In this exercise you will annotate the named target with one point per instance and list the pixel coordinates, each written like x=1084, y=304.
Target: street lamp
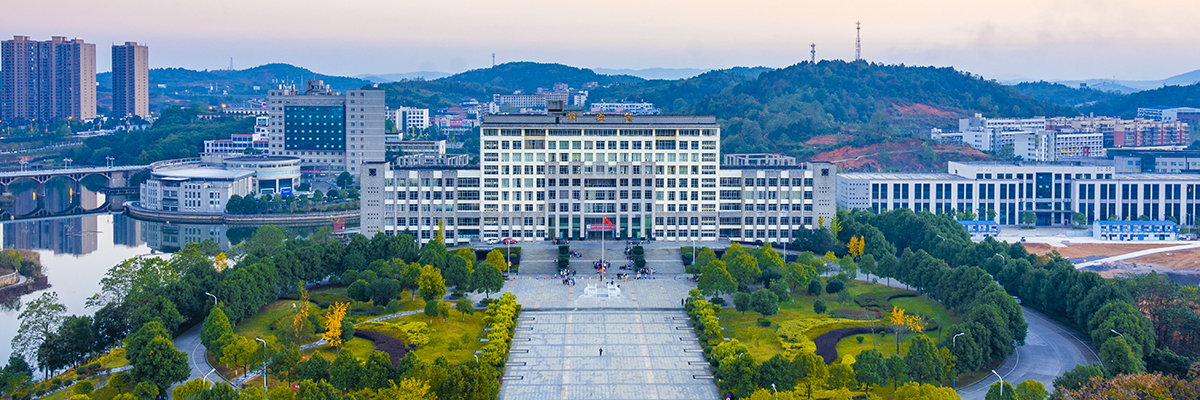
x=1001, y=383
x=1119, y=333
x=954, y=343
x=209, y=372
x=264, y=342
x=214, y=298
x=110, y=160
x=68, y=162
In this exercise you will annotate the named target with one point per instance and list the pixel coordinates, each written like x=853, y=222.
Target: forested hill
x=782, y=109
x=235, y=81
x=1126, y=106
x=529, y=76
x=1063, y=95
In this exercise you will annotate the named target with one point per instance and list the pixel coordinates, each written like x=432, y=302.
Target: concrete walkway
x=1136, y=254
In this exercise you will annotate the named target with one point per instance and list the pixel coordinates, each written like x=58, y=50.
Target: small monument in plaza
x=608, y=291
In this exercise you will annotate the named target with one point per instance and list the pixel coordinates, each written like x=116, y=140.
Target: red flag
x=607, y=222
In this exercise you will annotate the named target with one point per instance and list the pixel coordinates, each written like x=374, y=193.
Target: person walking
x=601, y=352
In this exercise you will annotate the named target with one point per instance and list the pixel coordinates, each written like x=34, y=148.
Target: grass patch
x=359, y=347
x=262, y=325
x=798, y=316
x=456, y=338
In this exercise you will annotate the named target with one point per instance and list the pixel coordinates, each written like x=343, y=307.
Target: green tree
x=814, y=287
x=1118, y=358
x=810, y=370
x=897, y=370
x=776, y=371
x=383, y=290
x=741, y=301
x=705, y=256
x=464, y=307
x=738, y=374
x=434, y=252
x=284, y=362
x=316, y=390
x=841, y=376
x=487, y=280
x=215, y=326
x=40, y=319
x=156, y=308
x=432, y=309
x=346, y=372
x=834, y=285
x=316, y=368
x=237, y=351
x=744, y=269
x=432, y=285
x=764, y=302
x=457, y=273
x=870, y=368
x=1077, y=377
x=137, y=341
x=358, y=291
x=819, y=306
x=1000, y=391
x=345, y=180
x=161, y=364
x=1030, y=390
x=1079, y=218
x=191, y=390
x=715, y=280
x=925, y=364
x=847, y=266
x=1028, y=218
x=145, y=391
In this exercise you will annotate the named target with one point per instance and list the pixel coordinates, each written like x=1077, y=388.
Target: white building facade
x=1051, y=192
x=562, y=175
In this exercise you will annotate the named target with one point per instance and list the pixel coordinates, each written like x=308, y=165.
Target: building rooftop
x=974, y=222
x=1100, y=222
x=610, y=121
x=261, y=158
x=1072, y=163
x=1157, y=177
x=204, y=173
x=901, y=175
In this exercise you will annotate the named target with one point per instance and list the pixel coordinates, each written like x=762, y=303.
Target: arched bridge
x=118, y=177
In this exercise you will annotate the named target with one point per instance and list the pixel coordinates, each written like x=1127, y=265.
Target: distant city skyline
x=1018, y=39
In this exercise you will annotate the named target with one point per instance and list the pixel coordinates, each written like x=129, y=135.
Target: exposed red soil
x=904, y=155
x=918, y=108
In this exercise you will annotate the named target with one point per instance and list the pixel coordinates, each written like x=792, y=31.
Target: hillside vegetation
x=1126, y=106
x=1063, y=95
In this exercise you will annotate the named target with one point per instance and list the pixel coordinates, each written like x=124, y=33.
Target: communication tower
x=857, y=41
x=813, y=52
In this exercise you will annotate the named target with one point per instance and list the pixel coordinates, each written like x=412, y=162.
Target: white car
x=492, y=241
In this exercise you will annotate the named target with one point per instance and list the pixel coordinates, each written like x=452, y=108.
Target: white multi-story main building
x=1003, y=191
x=561, y=175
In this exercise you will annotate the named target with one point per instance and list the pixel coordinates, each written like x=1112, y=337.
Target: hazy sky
x=1041, y=39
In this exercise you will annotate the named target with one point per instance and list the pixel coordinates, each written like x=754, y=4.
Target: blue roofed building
x=981, y=229
x=1135, y=230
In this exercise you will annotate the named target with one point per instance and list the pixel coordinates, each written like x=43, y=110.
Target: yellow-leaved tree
x=899, y=323
x=220, y=262
x=333, y=323
x=301, y=312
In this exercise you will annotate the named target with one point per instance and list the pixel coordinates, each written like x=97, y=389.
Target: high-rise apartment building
x=131, y=80
x=47, y=80
x=329, y=131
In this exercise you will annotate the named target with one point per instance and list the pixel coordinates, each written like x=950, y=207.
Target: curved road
x=1050, y=350
x=189, y=342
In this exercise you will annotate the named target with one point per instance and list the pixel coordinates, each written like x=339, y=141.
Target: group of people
x=567, y=276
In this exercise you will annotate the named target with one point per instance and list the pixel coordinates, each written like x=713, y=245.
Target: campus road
x=1136, y=254
x=1050, y=350
x=189, y=342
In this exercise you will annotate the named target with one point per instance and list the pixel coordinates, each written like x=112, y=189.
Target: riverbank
x=307, y=219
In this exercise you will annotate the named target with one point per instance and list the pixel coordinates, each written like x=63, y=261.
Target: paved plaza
x=647, y=355
x=650, y=350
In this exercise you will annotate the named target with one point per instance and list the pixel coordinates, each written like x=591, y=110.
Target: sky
x=1005, y=40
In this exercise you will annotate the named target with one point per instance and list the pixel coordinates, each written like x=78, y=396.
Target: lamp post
x=215, y=302
x=1001, y=383
x=954, y=344
x=264, y=342
x=1118, y=333
x=209, y=372
x=110, y=160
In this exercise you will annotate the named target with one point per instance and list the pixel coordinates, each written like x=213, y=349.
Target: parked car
x=508, y=241
x=492, y=241
x=560, y=241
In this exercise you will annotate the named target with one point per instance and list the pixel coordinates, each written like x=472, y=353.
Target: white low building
x=1135, y=231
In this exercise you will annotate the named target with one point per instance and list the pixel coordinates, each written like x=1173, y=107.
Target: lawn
x=798, y=314
x=456, y=338
x=261, y=325
x=359, y=347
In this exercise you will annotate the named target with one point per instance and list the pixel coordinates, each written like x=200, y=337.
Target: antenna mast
x=813, y=52
x=857, y=41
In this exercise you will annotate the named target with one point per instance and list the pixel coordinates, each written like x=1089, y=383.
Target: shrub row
x=501, y=317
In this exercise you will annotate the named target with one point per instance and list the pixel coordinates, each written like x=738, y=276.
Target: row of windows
x=765, y=182
x=599, y=132
x=600, y=145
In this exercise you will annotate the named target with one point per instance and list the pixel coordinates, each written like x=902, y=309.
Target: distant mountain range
x=235, y=82
x=654, y=73
x=385, y=78
x=1127, y=86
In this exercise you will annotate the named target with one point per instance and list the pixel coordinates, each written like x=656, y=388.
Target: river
x=76, y=252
